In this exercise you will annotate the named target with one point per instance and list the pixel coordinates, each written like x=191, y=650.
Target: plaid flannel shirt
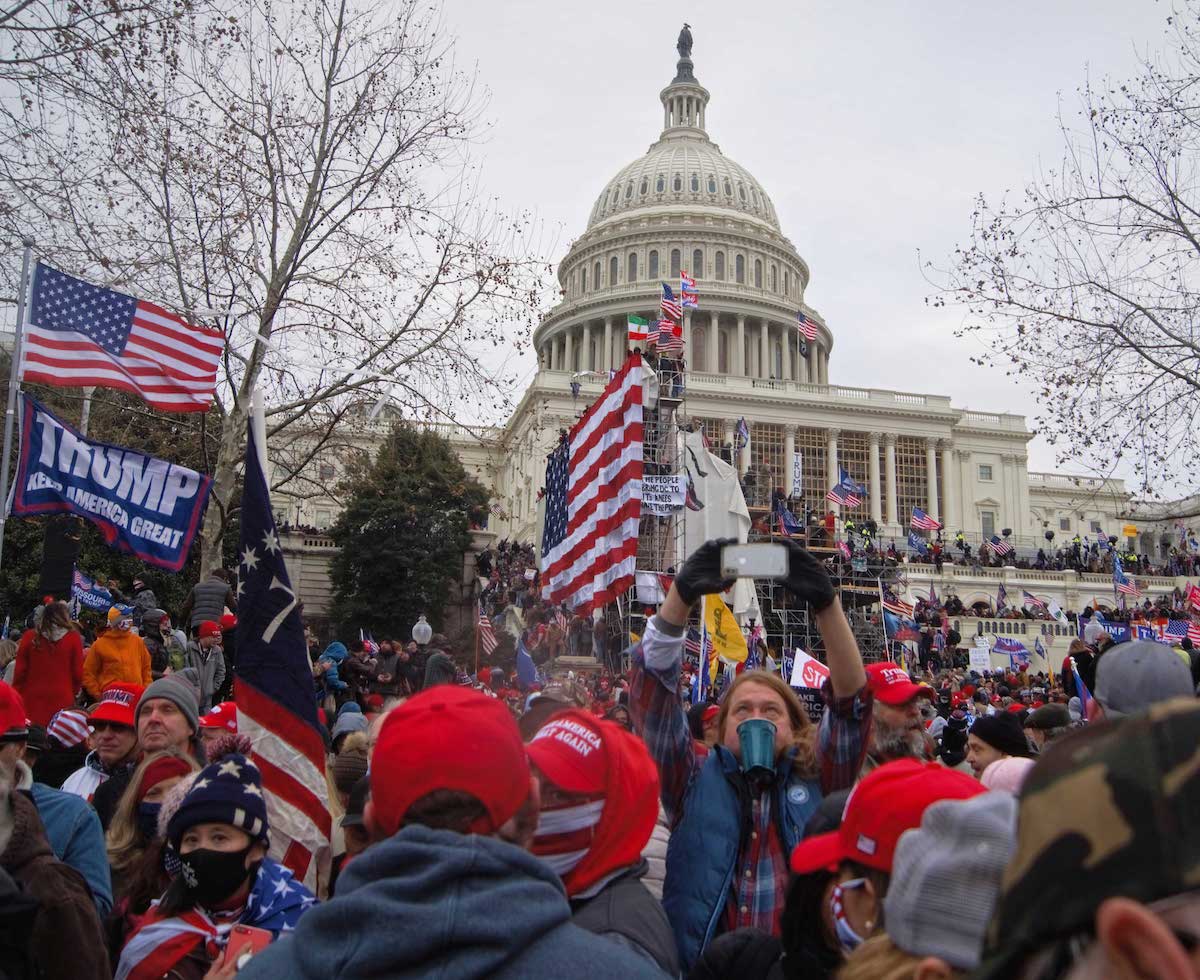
x=761, y=873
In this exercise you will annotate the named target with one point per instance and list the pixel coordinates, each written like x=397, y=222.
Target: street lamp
x=422, y=632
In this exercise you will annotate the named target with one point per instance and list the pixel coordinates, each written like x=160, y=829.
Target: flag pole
x=478, y=614
x=13, y=385
x=85, y=413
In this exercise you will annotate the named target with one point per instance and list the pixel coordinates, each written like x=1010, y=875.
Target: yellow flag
x=726, y=637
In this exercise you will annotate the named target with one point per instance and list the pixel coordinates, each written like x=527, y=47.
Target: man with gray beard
x=897, y=728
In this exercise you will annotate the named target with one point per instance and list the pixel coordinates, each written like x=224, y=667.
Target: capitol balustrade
x=1069, y=588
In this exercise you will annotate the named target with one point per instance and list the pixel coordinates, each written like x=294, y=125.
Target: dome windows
x=720, y=266
x=614, y=267
x=583, y=279
x=653, y=260
x=758, y=273
x=695, y=183
x=629, y=190
x=645, y=187
x=596, y=276
x=728, y=188
x=631, y=271
x=742, y=191
x=739, y=269
x=674, y=263
x=774, y=278
x=616, y=196
x=787, y=283
x=754, y=191
x=677, y=184
x=660, y=185
x=712, y=185
x=697, y=264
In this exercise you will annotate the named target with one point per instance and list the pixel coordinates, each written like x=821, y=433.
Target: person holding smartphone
x=227, y=894
x=738, y=809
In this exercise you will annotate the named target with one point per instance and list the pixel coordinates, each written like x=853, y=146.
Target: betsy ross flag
x=78, y=335
x=669, y=304
x=808, y=329
x=274, y=690
x=487, y=635
x=639, y=329
x=920, y=521
x=594, y=498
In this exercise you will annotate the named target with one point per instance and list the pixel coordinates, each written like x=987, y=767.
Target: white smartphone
x=754, y=561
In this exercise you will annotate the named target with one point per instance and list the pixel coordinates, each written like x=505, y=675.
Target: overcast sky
x=872, y=126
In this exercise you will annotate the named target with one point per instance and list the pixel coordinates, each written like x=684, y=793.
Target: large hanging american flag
x=487, y=635
x=808, y=329
x=274, y=691
x=594, y=498
x=78, y=335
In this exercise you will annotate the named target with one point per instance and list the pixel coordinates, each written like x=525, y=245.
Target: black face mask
x=212, y=876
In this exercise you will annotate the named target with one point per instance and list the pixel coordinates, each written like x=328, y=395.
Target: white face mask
x=56, y=633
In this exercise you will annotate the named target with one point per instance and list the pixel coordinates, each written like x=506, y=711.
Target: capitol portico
x=684, y=206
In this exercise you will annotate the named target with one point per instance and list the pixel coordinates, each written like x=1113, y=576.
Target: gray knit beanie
x=179, y=692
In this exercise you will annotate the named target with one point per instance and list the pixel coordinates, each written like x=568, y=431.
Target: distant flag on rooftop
x=808, y=329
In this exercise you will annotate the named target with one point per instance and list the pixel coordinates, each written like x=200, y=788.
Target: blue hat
x=349, y=708
x=228, y=791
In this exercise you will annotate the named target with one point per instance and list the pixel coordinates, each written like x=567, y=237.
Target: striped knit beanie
x=228, y=791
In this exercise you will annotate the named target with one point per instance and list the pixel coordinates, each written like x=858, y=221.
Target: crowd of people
x=942, y=823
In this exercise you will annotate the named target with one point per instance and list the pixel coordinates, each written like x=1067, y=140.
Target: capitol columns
x=931, y=476
x=712, y=349
x=832, y=470
x=823, y=360
x=785, y=341
x=789, y=454
x=873, y=479
x=741, y=368
x=687, y=339
x=585, y=356
x=568, y=350
x=606, y=362
x=764, y=349
x=889, y=451
x=953, y=520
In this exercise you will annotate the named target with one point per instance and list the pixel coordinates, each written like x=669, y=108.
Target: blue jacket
x=435, y=904
x=74, y=833
x=703, y=852
x=335, y=653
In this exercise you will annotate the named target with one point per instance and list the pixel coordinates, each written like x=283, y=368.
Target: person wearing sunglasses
x=112, y=738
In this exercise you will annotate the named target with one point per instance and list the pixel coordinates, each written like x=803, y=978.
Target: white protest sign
x=663, y=495
x=981, y=654
x=807, y=671
x=797, y=474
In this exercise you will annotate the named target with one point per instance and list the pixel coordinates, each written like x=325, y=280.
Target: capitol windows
x=742, y=191
x=629, y=190
x=774, y=278
x=645, y=187
x=596, y=276
x=583, y=279
x=613, y=270
x=677, y=183
x=697, y=264
x=695, y=184
x=631, y=274
x=721, y=266
x=712, y=185
x=758, y=273
x=985, y=472
x=739, y=269
x=1064, y=523
x=675, y=263
x=660, y=185
x=728, y=188
x=653, y=263
x=616, y=196
x=987, y=523
x=787, y=283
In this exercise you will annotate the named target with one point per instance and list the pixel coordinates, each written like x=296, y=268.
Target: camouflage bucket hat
x=1108, y=811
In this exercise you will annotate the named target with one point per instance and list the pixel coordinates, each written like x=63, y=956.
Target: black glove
x=806, y=578
x=701, y=573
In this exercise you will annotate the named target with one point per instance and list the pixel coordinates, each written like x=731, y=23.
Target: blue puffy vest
x=703, y=852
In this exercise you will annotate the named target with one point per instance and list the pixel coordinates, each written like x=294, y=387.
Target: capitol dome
x=686, y=208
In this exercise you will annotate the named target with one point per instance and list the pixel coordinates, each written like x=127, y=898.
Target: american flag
x=898, y=607
x=808, y=329
x=671, y=307
x=1193, y=632
x=1122, y=582
x=1177, y=629
x=742, y=434
x=920, y=521
x=999, y=547
x=1001, y=598
x=79, y=335
x=1031, y=600
x=594, y=498
x=844, y=495
x=1192, y=596
x=487, y=635
x=668, y=343
x=274, y=690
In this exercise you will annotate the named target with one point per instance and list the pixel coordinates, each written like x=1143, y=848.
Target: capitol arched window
x=645, y=187
x=739, y=268
x=631, y=273
x=583, y=279
x=660, y=185
x=728, y=188
x=720, y=266
x=695, y=184
x=758, y=273
x=677, y=183
x=742, y=191
x=774, y=278
x=613, y=268
x=653, y=260
x=675, y=263
x=616, y=196
x=629, y=190
x=712, y=185
x=787, y=283
x=755, y=193
x=596, y=276
x=697, y=264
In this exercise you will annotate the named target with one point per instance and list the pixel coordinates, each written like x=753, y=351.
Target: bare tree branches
x=297, y=174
